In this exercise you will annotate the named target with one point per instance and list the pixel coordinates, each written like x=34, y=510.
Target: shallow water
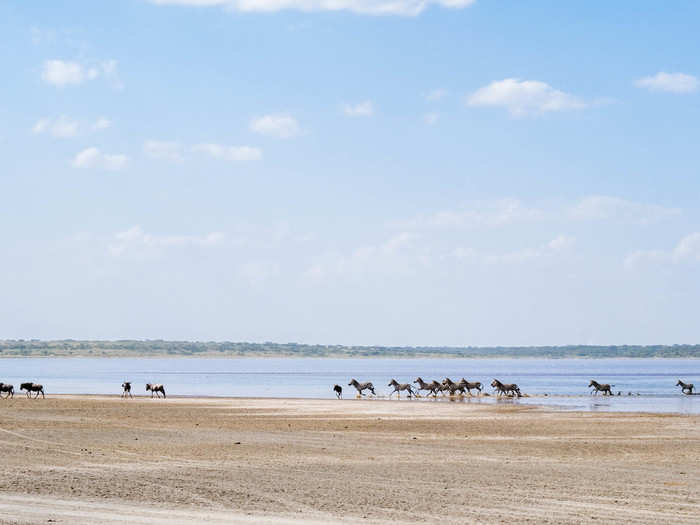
x=564, y=380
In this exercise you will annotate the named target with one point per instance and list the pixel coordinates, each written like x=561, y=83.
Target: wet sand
x=90, y=459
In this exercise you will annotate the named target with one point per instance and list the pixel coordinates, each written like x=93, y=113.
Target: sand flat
x=87, y=459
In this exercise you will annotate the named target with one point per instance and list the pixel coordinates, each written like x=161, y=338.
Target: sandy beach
x=88, y=459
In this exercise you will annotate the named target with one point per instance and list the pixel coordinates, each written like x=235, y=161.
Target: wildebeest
x=597, y=387
x=433, y=387
x=10, y=389
x=686, y=388
x=338, y=391
x=33, y=387
x=468, y=386
x=401, y=387
x=362, y=386
x=506, y=388
x=126, y=389
x=155, y=389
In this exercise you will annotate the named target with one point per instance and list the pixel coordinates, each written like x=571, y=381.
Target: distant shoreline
x=187, y=349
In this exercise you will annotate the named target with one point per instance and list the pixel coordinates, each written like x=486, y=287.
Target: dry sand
x=89, y=459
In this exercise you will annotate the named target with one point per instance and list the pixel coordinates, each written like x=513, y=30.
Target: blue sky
x=356, y=172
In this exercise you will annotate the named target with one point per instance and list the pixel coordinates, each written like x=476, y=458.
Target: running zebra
x=433, y=387
x=401, y=387
x=598, y=387
x=686, y=388
x=362, y=386
x=510, y=389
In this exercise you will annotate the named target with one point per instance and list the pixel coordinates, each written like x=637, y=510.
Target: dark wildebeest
x=468, y=386
x=155, y=389
x=33, y=387
x=7, y=388
x=401, y=387
x=362, y=386
x=338, y=391
x=597, y=387
x=686, y=388
x=510, y=389
x=433, y=387
x=126, y=389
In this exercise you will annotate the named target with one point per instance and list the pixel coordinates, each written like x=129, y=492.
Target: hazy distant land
x=158, y=348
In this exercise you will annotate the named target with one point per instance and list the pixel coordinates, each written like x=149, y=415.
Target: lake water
x=563, y=380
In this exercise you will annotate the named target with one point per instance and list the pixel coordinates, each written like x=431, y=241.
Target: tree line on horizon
x=162, y=348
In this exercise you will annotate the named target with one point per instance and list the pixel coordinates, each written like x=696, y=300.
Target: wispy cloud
x=435, y=95
x=366, y=7
x=282, y=126
x=679, y=83
x=229, y=153
x=605, y=207
x=431, y=118
x=137, y=239
x=63, y=73
x=93, y=158
x=686, y=250
x=524, y=97
x=64, y=127
x=361, y=109
x=163, y=150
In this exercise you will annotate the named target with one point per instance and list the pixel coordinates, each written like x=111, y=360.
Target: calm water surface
x=564, y=380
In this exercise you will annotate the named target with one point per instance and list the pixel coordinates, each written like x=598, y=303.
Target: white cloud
x=64, y=127
x=431, y=118
x=556, y=246
x=361, y=109
x=62, y=73
x=435, y=95
x=670, y=83
x=102, y=123
x=524, y=97
x=230, y=153
x=94, y=158
x=368, y=7
x=163, y=150
x=137, y=239
x=560, y=243
x=480, y=214
x=604, y=207
x=283, y=126
x=686, y=250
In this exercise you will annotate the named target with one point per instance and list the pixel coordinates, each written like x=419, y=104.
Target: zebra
x=338, y=391
x=155, y=389
x=453, y=387
x=398, y=388
x=362, y=386
x=597, y=387
x=33, y=387
x=504, y=388
x=126, y=387
x=686, y=388
x=433, y=387
x=468, y=386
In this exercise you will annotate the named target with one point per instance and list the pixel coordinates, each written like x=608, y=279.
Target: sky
x=370, y=172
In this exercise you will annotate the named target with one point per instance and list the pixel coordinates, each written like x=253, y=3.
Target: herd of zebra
x=445, y=387
x=462, y=387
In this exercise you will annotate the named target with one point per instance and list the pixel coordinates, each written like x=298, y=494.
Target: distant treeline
x=158, y=348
